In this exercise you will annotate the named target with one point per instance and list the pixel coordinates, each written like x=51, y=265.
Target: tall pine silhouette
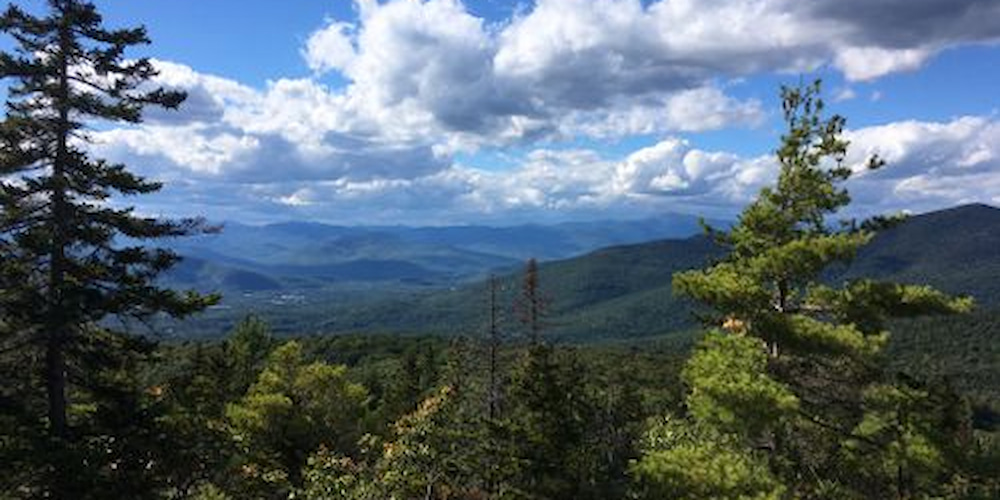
x=71, y=257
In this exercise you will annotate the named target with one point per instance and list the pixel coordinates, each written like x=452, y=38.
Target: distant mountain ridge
x=309, y=255
x=956, y=250
x=624, y=291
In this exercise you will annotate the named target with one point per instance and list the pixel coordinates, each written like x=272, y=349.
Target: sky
x=434, y=112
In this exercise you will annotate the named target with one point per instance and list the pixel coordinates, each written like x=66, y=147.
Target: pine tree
x=70, y=257
x=61, y=239
x=786, y=369
x=247, y=347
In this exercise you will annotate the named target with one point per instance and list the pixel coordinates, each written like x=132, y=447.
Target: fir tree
x=247, y=349
x=70, y=257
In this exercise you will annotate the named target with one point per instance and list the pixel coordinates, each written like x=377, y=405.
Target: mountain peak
x=972, y=213
x=971, y=207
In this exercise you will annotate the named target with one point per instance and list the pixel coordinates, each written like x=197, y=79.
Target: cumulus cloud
x=419, y=81
x=964, y=145
x=930, y=164
x=868, y=63
x=193, y=148
x=208, y=97
x=330, y=48
x=564, y=67
x=901, y=24
x=611, y=68
x=295, y=129
x=694, y=110
x=428, y=74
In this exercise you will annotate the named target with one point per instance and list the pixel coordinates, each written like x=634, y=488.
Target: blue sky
x=430, y=112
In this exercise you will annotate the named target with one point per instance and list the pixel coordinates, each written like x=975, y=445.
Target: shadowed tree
x=71, y=255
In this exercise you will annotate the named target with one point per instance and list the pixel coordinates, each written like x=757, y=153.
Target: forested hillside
x=955, y=250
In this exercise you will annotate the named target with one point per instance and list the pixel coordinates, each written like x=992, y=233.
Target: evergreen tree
x=64, y=247
x=434, y=452
x=195, y=392
x=787, y=369
x=247, y=349
x=70, y=258
x=686, y=461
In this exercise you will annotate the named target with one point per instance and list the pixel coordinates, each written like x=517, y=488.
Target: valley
x=613, y=293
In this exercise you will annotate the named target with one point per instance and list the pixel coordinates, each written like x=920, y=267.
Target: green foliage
x=869, y=304
x=549, y=413
x=962, y=349
x=796, y=371
x=208, y=491
x=329, y=476
x=292, y=410
x=914, y=252
x=787, y=400
x=686, y=461
x=895, y=441
x=247, y=348
x=433, y=453
x=731, y=390
x=69, y=259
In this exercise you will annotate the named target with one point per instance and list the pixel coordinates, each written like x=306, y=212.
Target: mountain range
x=617, y=292
x=299, y=256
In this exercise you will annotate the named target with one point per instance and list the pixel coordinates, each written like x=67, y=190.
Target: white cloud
x=330, y=48
x=568, y=67
x=869, y=63
x=677, y=173
x=694, y=110
x=844, y=94
x=427, y=79
x=192, y=148
x=958, y=146
x=611, y=68
x=295, y=129
x=209, y=97
x=930, y=165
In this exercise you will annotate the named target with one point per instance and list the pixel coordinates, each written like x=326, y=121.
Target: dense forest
x=793, y=382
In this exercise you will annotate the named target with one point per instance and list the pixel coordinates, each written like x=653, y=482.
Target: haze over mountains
x=304, y=255
x=392, y=278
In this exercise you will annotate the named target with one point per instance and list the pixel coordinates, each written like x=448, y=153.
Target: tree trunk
x=55, y=360
x=55, y=385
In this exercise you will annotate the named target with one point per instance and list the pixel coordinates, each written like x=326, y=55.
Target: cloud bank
x=400, y=92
